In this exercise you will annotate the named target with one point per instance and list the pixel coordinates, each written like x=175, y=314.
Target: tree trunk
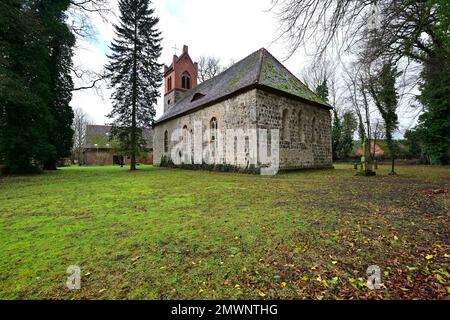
x=391, y=147
x=133, y=111
x=392, y=166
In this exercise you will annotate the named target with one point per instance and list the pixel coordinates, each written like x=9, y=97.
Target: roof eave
x=209, y=103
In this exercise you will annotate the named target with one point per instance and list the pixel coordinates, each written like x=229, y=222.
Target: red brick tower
x=179, y=77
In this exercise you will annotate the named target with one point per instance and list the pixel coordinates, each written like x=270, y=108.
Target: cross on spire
x=175, y=48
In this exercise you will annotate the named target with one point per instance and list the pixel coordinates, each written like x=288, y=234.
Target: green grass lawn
x=166, y=233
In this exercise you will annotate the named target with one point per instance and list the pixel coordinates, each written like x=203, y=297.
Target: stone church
x=257, y=92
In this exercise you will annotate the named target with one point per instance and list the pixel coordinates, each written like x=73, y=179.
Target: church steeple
x=179, y=77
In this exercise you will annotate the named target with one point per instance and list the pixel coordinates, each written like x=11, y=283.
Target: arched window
x=186, y=144
x=169, y=84
x=301, y=133
x=285, y=125
x=213, y=135
x=166, y=141
x=185, y=133
x=313, y=130
x=185, y=80
x=191, y=146
x=213, y=129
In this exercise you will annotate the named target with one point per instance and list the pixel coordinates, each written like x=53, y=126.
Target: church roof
x=258, y=70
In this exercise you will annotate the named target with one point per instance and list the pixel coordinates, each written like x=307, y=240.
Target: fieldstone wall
x=305, y=130
x=236, y=112
x=305, y=135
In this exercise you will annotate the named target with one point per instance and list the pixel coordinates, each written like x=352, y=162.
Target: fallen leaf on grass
x=440, y=278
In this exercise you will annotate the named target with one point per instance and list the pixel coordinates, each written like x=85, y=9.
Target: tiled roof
x=260, y=69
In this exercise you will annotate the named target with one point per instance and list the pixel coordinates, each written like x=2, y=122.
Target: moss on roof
x=275, y=75
x=259, y=68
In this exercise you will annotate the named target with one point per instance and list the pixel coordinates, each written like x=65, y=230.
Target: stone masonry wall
x=305, y=142
x=236, y=112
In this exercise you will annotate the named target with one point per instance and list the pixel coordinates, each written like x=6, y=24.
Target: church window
x=166, y=141
x=185, y=134
x=186, y=140
x=169, y=84
x=185, y=81
x=285, y=125
x=213, y=129
x=213, y=134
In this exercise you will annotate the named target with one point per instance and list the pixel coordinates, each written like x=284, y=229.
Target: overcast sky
x=230, y=30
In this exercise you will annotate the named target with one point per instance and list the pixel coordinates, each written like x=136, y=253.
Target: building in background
x=100, y=150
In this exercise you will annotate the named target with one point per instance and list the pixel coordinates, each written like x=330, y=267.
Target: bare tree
x=321, y=22
x=316, y=73
x=320, y=71
x=378, y=134
x=359, y=99
x=80, y=21
x=399, y=25
x=208, y=67
x=80, y=11
x=80, y=122
x=92, y=79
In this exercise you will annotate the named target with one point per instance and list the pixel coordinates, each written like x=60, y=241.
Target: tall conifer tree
x=134, y=73
x=24, y=87
x=60, y=49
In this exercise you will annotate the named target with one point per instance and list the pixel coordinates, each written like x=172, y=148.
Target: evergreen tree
x=434, y=123
x=322, y=90
x=414, y=143
x=24, y=87
x=336, y=132
x=134, y=74
x=60, y=47
x=349, y=125
x=383, y=91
